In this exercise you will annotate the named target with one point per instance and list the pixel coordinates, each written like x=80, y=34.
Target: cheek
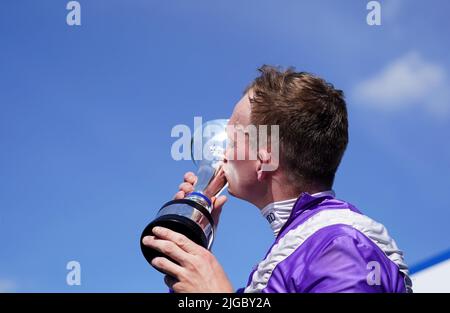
x=239, y=151
x=241, y=173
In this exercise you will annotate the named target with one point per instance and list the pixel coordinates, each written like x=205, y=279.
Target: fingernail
x=156, y=229
x=155, y=261
x=147, y=239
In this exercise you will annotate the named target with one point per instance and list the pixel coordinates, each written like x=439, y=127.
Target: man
x=322, y=244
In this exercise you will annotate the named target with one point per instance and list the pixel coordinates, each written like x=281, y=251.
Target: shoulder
x=331, y=251
x=329, y=248
x=337, y=252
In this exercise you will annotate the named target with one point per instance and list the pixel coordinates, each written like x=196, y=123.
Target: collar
x=279, y=212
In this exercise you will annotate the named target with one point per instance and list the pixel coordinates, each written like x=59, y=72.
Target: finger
x=179, y=195
x=219, y=202
x=166, y=247
x=190, y=177
x=167, y=266
x=181, y=241
x=186, y=187
x=217, y=208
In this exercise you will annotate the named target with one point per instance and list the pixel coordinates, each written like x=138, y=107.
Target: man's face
x=240, y=168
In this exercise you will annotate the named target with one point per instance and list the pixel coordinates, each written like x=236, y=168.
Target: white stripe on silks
x=373, y=230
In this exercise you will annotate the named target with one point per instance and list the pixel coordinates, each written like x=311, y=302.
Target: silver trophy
x=191, y=216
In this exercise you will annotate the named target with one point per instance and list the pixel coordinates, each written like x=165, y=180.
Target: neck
x=280, y=190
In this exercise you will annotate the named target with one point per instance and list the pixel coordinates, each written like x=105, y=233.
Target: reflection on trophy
x=191, y=216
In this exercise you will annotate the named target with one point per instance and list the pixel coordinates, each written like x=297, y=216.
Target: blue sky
x=86, y=114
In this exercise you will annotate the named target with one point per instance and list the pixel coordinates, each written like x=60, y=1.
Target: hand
x=197, y=269
x=188, y=186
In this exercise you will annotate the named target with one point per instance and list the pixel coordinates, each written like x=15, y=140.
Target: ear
x=264, y=159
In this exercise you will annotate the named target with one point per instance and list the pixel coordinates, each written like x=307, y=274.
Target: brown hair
x=312, y=119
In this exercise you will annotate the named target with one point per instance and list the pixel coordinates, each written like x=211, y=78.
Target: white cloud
x=408, y=81
x=7, y=286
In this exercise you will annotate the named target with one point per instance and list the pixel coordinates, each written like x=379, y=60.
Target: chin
x=231, y=191
x=234, y=193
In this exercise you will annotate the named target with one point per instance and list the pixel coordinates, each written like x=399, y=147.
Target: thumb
x=217, y=204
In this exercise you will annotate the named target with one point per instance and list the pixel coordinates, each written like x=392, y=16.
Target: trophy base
x=177, y=223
